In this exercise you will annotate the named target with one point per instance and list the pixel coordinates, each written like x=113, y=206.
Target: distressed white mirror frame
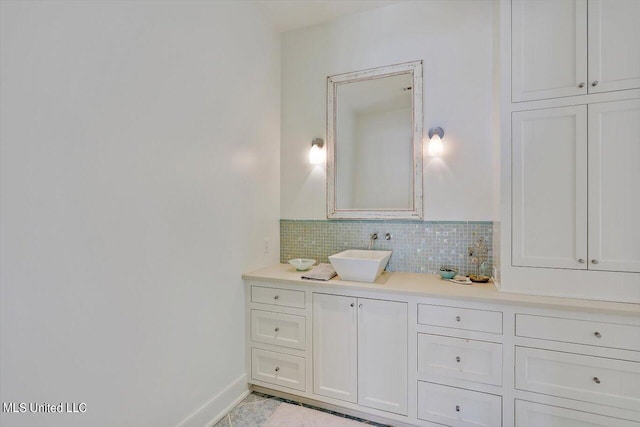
x=415, y=211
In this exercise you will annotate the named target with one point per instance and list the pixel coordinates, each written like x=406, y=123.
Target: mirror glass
x=374, y=134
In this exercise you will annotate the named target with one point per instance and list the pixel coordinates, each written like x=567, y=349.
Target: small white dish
x=461, y=280
x=302, y=264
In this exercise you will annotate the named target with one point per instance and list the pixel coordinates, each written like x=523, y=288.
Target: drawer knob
x=277, y=368
x=581, y=84
x=457, y=408
x=458, y=359
x=581, y=261
x=457, y=318
x=596, y=380
x=594, y=261
x=597, y=334
x=276, y=297
x=595, y=83
x=277, y=329
x=353, y=304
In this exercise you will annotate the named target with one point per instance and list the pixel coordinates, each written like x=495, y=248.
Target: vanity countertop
x=431, y=285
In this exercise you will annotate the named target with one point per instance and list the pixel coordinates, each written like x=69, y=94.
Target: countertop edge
x=487, y=293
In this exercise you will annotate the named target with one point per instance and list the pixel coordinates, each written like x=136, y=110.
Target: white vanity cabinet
x=360, y=351
x=576, y=369
x=595, y=47
x=277, y=332
x=415, y=350
x=460, y=364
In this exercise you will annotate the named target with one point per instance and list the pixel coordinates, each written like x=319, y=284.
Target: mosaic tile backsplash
x=418, y=246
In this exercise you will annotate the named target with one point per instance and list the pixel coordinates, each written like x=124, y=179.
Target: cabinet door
x=382, y=355
x=614, y=195
x=614, y=51
x=335, y=340
x=549, y=193
x=549, y=49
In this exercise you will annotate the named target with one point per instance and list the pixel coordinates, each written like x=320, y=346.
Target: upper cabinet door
x=614, y=196
x=549, y=49
x=614, y=45
x=549, y=192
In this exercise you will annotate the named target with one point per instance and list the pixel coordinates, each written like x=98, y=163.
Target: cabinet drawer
x=278, y=368
x=578, y=331
x=276, y=296
x=574, y=376
x=460, y=318
x=468, y=360
x=457, y=407
x=286, y=330
x=529, y=414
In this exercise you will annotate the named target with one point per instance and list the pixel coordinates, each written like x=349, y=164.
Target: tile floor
x=256, y=409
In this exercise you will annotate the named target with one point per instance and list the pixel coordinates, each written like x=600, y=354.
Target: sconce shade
x=317, y=154
x=435, y=142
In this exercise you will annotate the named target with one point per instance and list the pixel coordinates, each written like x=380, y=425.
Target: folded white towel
x=322, y=272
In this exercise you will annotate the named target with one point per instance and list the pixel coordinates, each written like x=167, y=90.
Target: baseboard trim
x=219, y=405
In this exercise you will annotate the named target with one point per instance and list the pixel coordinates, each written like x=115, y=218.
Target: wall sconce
x=316, y=154
x=435, y=141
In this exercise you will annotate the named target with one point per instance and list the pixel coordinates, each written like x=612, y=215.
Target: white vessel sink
x=360, y=265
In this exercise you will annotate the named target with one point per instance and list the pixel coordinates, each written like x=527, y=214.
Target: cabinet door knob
x=276, y=297
x=458, y=359
x=581, y=84
x=277, y=368
x=594, y=261
x=360, y=306
x=596, y=380
x=595, y=83
x=597, y=334
x=458, y=318
x=581, y=261
x=457, y=408
x=277, y=329
x=353, y=304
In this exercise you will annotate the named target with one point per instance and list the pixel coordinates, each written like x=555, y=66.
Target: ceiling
x=288, y=15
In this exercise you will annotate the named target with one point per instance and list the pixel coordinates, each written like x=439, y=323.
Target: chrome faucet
x=372, y=238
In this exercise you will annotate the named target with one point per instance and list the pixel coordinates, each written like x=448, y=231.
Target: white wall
x=140, y=175
x=454, y=39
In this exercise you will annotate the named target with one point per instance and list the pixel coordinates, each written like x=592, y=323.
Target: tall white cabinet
x=570, y=130
x=360, y=351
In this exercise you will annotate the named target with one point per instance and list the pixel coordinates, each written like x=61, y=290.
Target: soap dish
x=461, y=280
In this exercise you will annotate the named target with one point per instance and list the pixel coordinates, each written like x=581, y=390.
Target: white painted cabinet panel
x=281, y=329
x=279, y=297
x=574, y=376
x=614, y=45
x=614, y=185
x=599, y=334
x=549, y=193
x=360, y=351
x=549, y=49
x=460, y=318
x=382, y=355
x=335, y=347
x=529, y=414
x=457, y=407
x=278, y=368
x=469, y=360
